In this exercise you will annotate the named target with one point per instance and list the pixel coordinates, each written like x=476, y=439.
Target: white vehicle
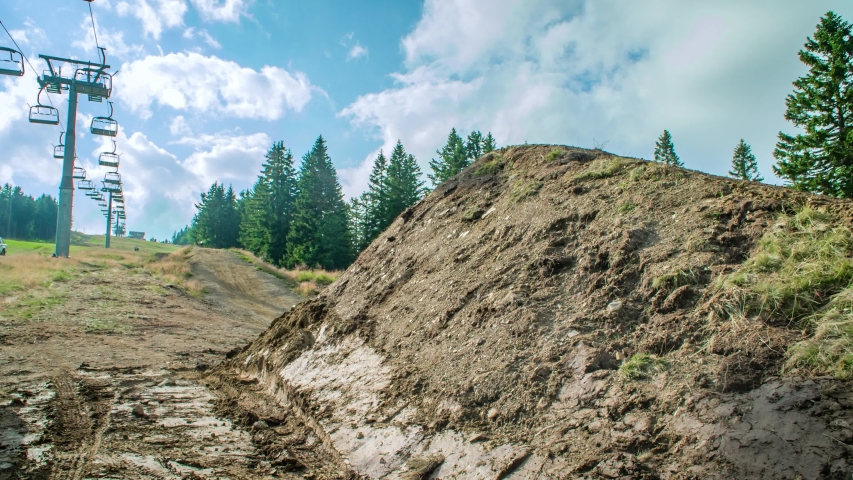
x=2, y=247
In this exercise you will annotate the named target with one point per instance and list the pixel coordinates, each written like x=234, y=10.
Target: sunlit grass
x=303, y=282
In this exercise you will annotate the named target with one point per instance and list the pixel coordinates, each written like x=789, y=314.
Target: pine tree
x=474, y=146
x=452, y=159
x=375, y=200
x=319, y=233
x=355, y=217
x=489, y=144
x=820, y=159
x=403, y=184
x=665, y=151
x=744, y=165
x=217, y=223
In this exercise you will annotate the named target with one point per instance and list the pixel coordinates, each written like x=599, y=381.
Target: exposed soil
x=104, y=380
x=482, y=335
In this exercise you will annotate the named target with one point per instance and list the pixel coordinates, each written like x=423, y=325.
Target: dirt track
x=102, y=381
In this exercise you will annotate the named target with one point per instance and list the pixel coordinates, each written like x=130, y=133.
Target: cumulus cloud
x=180, y=127
x=113, y=40
x=226, y=157
x=222, y=10
x=186, y=81
x=552, y=71
x=193, y=32
x=155, y=15
x=356, y=51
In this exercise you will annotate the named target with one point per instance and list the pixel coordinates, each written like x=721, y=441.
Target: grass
x=105, y=327
x=493, y=165
x=626, y=207
x=175, y=269
x=675, y=279
x=521, y=189
x=554, y=154
x=801, y=274
x=604, y=169
x=303, y=281
x=642, y=365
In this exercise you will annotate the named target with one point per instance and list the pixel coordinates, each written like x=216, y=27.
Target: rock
x=477, y=437
x=614, y=306
x=260, y=425
x=359, y=435
x=594, y=426
x=138, y=412
x=542, y=404
x=587, y=360
x=493, y=413
x=540, y=373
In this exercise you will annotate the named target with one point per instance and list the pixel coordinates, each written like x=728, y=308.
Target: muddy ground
x=104, y=380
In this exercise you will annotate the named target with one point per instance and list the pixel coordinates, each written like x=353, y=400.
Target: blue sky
x=205, y=86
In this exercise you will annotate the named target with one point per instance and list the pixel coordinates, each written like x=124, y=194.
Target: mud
x=482, y=334
x=131, y=402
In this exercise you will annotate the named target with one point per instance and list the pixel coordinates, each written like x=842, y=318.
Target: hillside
x=553, y=312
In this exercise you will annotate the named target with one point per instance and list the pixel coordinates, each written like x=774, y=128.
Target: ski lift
x=105, y=126
x=86, y=185
x=11, y=62
x=109, y=159
x=112, y=178
x=79, y=173
x=44, y=114
x=94, y=194
x=59, y=150
x=94, y=82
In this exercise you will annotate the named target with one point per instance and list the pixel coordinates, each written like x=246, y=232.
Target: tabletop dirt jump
x=550, y=312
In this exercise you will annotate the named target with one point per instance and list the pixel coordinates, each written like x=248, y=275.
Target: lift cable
x=92, y=16
x=61, y=126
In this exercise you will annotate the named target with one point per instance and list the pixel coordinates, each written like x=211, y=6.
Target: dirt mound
x=554, y=312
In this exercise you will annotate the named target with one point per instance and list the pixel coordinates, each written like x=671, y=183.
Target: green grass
x=673, y=280
x=626, y=207
x=801, y=274
x=29, y=307
x=642, y=365
x=105, y=326
x=318, y=277
x=521, y=189
x=493, y=165
x=604, y=169
x=554, y=154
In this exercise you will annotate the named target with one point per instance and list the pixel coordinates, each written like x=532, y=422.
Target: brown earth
x=482, y=334
x=103, y=379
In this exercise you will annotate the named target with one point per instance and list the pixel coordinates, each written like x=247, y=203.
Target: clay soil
x=490, y=332
x=101, y=378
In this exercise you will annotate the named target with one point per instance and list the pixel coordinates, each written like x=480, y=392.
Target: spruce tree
x=489, y=145
x=355, y=217
x=452, y=159
x=319, y=235
x=375, y=199
x=403, y=184
x=744, y=165
x=474, y=145
x=665, y=151
x=820, y=159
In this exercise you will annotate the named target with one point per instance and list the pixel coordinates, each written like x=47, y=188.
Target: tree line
x=296, y=218
x=24, y=217
x=818, y=159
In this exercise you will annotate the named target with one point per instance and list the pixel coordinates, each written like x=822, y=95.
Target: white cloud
x=552, y=71
x=210, y=84
x=226, y=158
x=192, y=32
x=156, y=17
x=31, y=36
x=113, y=40
x=179, y=126
x=356, y=51
x=222, y=10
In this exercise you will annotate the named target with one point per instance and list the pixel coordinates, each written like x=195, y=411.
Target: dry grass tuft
x=305, y=282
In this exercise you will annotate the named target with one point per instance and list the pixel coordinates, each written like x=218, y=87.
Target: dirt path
x=100, y=375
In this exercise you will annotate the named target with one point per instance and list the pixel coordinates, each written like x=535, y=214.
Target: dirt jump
x=550, y=312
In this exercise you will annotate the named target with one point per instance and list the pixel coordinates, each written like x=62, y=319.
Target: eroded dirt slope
x=100, y=377
x=486, y=334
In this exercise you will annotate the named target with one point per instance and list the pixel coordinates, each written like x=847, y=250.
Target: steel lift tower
x=93, y=80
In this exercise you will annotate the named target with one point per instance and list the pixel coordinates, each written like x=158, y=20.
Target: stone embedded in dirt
x=493, y=413
x=614, y=306
x=477, y=437
x=260, y=425
x=587, y=360
x=139, y=412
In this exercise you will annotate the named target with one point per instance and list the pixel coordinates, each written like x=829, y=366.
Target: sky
x=204, y=87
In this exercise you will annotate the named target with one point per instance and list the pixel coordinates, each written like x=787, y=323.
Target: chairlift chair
x=44, y=114
x=113, y=178
x=109, y=159
x=94, y=194
x=59, y=150
x=79, y=173
x=105, y=126
x=11, y=62
x=86, y=185
x=94, y=82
